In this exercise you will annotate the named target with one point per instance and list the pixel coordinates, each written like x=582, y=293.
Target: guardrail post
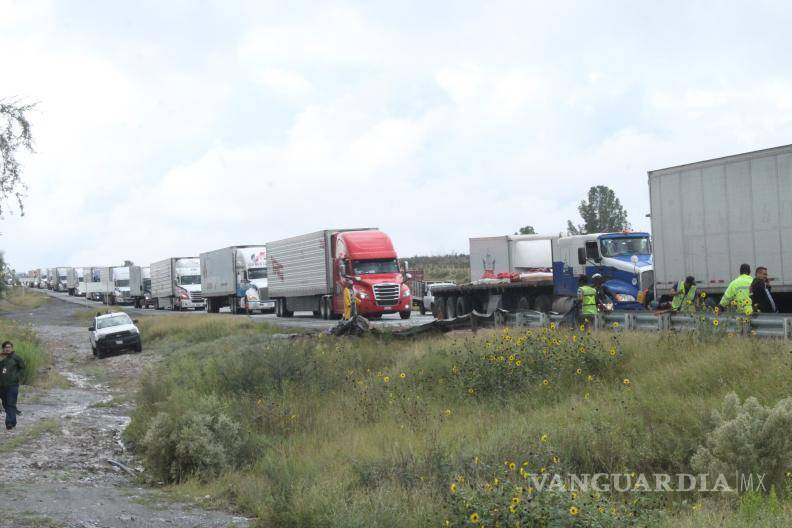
x=787, y=327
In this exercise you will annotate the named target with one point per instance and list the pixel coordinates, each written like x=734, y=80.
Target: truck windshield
x=370, y=267
x=147, y=284
x=257, y=273
x=190, y=279
x=116, y=320
x=616, y=247
x=122, y=283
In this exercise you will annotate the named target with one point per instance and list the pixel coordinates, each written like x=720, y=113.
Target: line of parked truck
x=707, y=219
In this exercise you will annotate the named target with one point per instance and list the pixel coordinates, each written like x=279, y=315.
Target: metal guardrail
x=768, y=326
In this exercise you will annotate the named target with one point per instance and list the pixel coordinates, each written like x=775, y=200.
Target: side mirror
x=408, y=276
x=342, y=268
x=91, y=328
x=582, y=256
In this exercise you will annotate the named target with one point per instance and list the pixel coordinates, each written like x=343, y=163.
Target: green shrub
x=748, y=438
x=191, y=443
x=27, y=346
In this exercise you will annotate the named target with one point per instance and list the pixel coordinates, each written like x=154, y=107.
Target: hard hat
x=596, y=276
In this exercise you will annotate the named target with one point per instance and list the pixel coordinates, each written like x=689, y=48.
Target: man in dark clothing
x=761, y=294
x=11, y=369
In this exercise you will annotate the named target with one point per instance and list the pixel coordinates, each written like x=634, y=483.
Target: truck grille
x=647, y=279
x=386, y=294
x=118, y=335
x=196, y=297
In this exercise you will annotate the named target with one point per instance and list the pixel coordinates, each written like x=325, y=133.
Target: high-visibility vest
x=588, y=305
x=682, y=298
x=739, y=293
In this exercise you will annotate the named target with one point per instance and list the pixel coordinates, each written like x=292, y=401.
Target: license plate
x=119, y=341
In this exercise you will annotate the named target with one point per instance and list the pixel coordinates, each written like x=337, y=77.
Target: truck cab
x=252, y=290
x=623, y=259
x=121, y=293
x=188, y=284
x=371, y=265
x=79, y=289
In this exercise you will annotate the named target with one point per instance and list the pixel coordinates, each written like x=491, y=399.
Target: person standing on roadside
x=738, y=294
x=11, y=369
x=761, y=293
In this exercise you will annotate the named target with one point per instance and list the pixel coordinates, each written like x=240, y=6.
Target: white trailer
x=140, y=285
x=236, y=277
x=71, y=280
x=121, y=293
x=176, y=284
x=79, y=287
x=98, y=282
x=710, y=217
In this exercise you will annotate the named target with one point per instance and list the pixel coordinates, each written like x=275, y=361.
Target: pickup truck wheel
x=450, y=308
x=139, y=348
x=100, y=354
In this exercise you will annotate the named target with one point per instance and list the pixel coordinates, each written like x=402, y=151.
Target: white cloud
x=284, y=82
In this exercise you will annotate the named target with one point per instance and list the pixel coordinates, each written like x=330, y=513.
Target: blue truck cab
x=623, y=259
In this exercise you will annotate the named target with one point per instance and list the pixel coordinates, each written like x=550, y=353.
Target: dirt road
x=54, y=469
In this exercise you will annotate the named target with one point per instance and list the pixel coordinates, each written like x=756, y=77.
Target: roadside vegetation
x=448, y=268
x=19, y=298
x=319, y=431
x=28, y=346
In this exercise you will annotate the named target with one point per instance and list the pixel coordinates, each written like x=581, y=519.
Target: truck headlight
x=362, y=294
x=406, y=292
x=623, y=297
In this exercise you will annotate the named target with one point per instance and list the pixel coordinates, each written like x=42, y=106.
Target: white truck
x=61, y=279
x=52, y=278
x=710, y=217
x=79, y=288
x=99, y=282
x=140, y=286
x=236, y=277
x=121, y=293
x=176, y=284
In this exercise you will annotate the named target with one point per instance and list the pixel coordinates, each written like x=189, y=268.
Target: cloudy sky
x=169, y=128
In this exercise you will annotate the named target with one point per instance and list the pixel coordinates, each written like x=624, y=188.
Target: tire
x=422, y=309
x=138, y=348
x=450, y=308
x=405, y=314
x=93, y=350
x=157, y=305
x=233, y=304
x=461, y=307
x=100, y=354
x=523, y=304
x=325, y=313
x=278, y=309
x=544, y=303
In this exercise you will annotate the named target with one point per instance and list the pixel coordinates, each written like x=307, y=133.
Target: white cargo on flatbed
x=510, y=254
x=709, y=217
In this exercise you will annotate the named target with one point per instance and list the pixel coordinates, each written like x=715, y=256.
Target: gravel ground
x=54, y=467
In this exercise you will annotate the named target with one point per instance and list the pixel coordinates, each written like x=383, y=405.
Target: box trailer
x=236, y=277
x=176, y=284
x=98, y=282
x=710, y=217
x=140, y=286
x=310, y=273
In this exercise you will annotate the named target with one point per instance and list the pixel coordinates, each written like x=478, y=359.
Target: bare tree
x=14, y=134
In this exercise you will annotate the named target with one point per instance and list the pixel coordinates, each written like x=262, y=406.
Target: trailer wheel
x=450, y=307
x=405, y=314
x=544, y=303
x=422, y=308
x=523, y=304
x=461, y=306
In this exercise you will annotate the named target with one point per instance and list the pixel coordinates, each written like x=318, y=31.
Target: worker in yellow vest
x=738, y=294
x=587, y=298
x=684, y=295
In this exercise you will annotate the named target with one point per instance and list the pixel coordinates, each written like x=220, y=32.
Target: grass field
x=451, y=431
x=18, y=298
x=452, y=268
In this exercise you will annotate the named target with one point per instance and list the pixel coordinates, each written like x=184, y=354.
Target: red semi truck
x=309, y=273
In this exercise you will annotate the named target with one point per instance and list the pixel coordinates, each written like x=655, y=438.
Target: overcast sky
x=168, y=128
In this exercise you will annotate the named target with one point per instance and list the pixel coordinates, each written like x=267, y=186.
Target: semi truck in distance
x=236, y=277
x=52, y=278
x=140, y=286
x=61, y=279
x=542, y=273
x=710, y=217
x=121, y=294
x=310, y=273
x=98, y=282
x=176, y=284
